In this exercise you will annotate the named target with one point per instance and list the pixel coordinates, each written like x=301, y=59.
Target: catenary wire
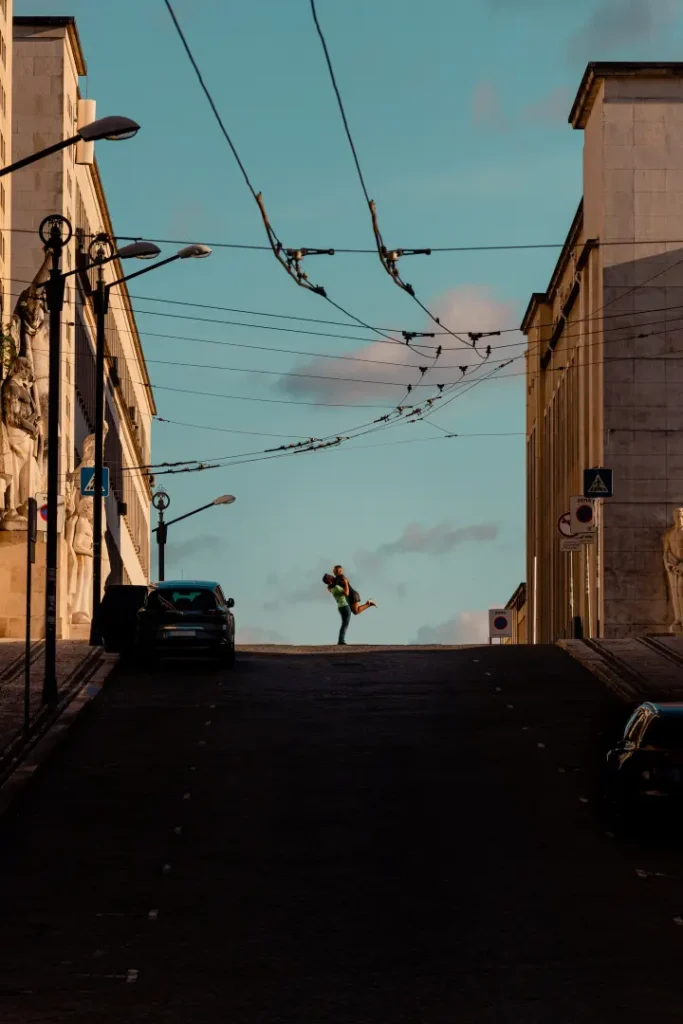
x=389, y=260
x=501, y=331
x=290, y=264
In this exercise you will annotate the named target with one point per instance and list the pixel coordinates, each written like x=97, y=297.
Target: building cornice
x=538, y=298
x=69, y=23
x=596, y=72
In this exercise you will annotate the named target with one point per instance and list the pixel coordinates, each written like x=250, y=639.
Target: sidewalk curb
x=38, y=751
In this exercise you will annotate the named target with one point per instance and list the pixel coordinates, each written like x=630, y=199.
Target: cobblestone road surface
x=337, y=837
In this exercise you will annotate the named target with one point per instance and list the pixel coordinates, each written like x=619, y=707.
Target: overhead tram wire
x=333, y=441
x=389, y=258
x=290, y=259
x=222, y=430
x=159, y=469
x=446, y=387
x=246, y=246
x=266, y=327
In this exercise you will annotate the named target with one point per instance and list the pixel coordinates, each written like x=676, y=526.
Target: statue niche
x=19, y=445
x=24, y=384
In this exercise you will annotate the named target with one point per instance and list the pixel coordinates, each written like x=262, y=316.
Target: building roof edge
x=596, y=71
x=69, y=23
x=546, y=296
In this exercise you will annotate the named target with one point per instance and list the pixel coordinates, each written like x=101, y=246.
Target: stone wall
x=635, y=167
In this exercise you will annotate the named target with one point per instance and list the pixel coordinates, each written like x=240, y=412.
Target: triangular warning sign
x=598, y=486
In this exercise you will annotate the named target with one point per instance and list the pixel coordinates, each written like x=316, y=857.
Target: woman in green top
x=342, y=604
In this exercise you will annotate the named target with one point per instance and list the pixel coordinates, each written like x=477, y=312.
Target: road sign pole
x=31, y=537
x=598, y=518
x=589, y=615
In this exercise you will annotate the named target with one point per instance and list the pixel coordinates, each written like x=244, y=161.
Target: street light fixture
x=56, y=232
x=114, y=129
x=139, y=250
x=161, y=501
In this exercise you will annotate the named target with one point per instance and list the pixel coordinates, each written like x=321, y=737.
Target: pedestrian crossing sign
x=88, y=482
x=597, y=483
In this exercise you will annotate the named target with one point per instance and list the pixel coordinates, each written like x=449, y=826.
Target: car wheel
x=226, y=656
x=147, y=662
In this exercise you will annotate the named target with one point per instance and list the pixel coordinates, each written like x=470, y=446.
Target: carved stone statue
x=78, y=533
x=29, y=330
x=20, y=432
x=673, y=563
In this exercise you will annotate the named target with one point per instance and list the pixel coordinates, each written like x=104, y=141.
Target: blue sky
x=459, y=112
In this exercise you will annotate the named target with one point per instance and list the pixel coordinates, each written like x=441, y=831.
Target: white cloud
x=464, y=628
x=613, y=24
x=551, y=109
x=434, y=540
x=253, y=635
x=462, y=309
x=487, y=108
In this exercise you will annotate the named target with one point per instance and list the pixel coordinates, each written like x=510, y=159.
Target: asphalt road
x=337, y=837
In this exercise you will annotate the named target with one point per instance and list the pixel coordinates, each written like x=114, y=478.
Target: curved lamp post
x=55, y=233
x=112, y=128
x=140, y=250
x=161, y=501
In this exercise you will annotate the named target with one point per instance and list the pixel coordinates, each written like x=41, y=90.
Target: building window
x=3, y=151
x=2, y=246
x=3, y=8
x=3, y=50
x=3, y=98
x=2, y=196
x=69, y=184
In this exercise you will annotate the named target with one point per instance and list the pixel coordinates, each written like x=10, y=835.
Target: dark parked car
x=645, y=769
x=182, y=617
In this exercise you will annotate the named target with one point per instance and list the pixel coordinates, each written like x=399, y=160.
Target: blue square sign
x=88, y=482
x=597, y=483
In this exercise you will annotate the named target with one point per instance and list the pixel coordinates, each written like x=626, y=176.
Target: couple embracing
x=348, y=599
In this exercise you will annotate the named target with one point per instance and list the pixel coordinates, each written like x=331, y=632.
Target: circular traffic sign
x=42, y=512
x=500, y=622
x=584, y=513
x=564, y=525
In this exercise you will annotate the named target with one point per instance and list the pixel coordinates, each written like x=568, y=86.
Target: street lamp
x=56, y=232
x=112, y=128
x=97, y=251
x=161, y=501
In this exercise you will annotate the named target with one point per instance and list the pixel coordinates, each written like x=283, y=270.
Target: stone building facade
x=605, y=367
x=47, y=107
x=6, y=50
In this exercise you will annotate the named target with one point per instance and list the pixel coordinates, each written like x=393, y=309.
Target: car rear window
x=181, y=600
x=665, y=733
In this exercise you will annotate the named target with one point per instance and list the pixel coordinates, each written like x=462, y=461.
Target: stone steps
x=634, y=668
